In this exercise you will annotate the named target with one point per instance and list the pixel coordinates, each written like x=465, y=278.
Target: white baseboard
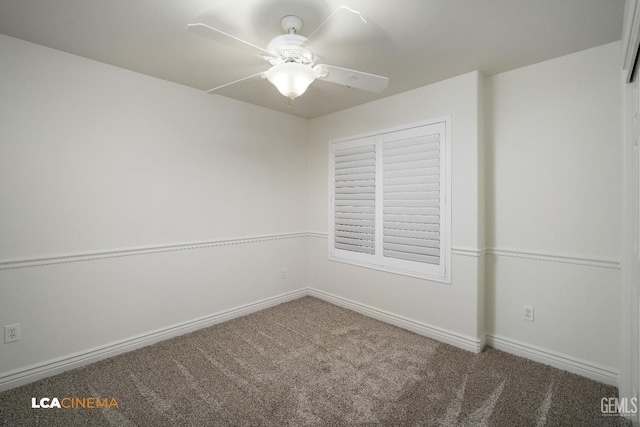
x=572, y=364
x=458, y=340
x=49, y=368
x=52, y=367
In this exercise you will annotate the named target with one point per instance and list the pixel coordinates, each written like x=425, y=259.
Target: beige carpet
x=308, y=362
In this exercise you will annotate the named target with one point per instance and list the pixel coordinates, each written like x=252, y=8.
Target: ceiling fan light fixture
x=291, y=79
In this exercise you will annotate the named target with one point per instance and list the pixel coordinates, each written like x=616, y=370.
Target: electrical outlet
x=527, y=313
x=283, y=273
x=12, y=333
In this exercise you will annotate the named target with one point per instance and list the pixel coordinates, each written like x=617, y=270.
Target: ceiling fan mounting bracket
x=291, y=24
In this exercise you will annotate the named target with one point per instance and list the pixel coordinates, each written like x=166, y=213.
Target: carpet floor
x=308, y=362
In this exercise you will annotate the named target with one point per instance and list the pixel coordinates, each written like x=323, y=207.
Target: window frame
x=431, y=272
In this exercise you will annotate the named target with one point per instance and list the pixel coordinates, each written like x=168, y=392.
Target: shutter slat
x=355, y=157
x=355, y=209
x=355, y=196
x=355, y=150
x=413, y=203
x=353, y=248
x=357, y=216
x=362, y=183
x=352, y=202
x=354, y=190
x=410, y=149
x=413, y=257
x=430, y=170
x=355, y=164
x=413, y=241
x=408, y=158
x=353, y=235
x=353, y=171
x=412, y=249
x=355, y=222
x=411, y=188
x=354, y=229
x=430, y=235
x=355, y=242
x=434, y=170
x=391, y=143
x=411, y=219
x=390, y=225
x=356, y=177
x=412, y=211
x=405, y=180
x=412, y=196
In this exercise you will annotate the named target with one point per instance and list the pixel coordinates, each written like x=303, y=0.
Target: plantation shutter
x=354, y=199
x=411, y=179
x=389, y=200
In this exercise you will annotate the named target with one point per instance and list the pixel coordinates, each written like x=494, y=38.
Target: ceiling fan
x=292, y=60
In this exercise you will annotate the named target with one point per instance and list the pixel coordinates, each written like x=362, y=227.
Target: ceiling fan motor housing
x=288, y=48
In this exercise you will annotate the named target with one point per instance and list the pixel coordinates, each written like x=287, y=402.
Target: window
x=390, y=200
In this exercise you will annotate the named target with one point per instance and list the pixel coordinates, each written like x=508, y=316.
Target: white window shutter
x=354, y=192
x=390, y=203
x=411, y=217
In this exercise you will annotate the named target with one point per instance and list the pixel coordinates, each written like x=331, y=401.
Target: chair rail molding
x=8, y=264
x=559, y=258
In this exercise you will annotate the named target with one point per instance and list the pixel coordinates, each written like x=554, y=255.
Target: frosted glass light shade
x=291, y=79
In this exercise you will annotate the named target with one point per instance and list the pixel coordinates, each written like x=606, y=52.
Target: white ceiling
x=413, y=42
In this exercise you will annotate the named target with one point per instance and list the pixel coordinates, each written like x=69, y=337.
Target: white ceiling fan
x=292, y=60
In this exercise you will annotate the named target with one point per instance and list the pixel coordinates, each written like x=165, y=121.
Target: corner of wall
x=481, y=208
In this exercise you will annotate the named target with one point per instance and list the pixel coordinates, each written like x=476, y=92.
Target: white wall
x=554, y=204
x=450, y=307
x=105, y=165
x=541, y=145
x=94, y=159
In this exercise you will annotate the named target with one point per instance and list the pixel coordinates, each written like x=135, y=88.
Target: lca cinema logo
x=615, y=406
x=74, y=402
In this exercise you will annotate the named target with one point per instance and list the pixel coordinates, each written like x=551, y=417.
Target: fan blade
x=237, y=81
x=208, y=31
x=316, y=32
x=352, y=78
